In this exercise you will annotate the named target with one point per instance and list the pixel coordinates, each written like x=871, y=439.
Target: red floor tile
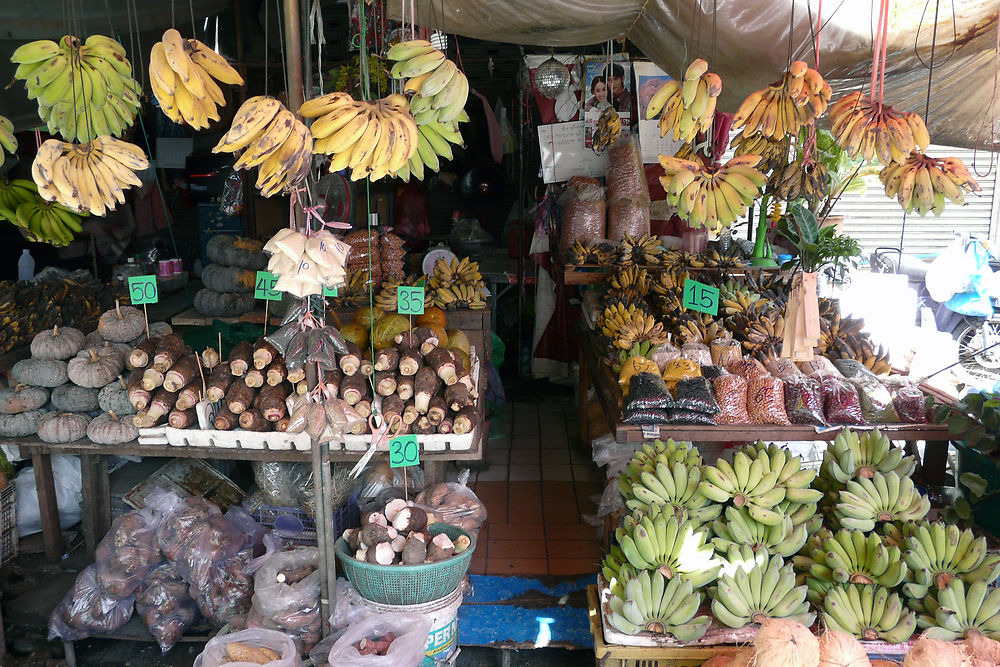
x=562, y=511
x=477, y=565
x=557, y=490
x=519, y=567
x=570, y=532
x=519, y=490
x=496, y=511
x=525, y=511
x=517, y=549
x=575, y=549
x=517, y=531
x=488, y=491
x=572, y=566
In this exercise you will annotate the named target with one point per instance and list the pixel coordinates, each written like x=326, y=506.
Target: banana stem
x=761, y=248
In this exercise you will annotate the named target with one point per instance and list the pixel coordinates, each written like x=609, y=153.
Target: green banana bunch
x=39, y=221
x=616, y=570
x=650, y=603
x=649, y=454
x=753, y=586
x=937, y=553
x=674, y=488
x=868, y=612
x=739, y=528
x=964, y=610
x=884, y=497
x=851, y=456
x=84, y=89
x=801, y=514
x=895, y=534
x=671, y=546
x=850, y=556
x=7, y=139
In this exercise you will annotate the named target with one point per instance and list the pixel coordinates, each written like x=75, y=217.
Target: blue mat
x=494, y=615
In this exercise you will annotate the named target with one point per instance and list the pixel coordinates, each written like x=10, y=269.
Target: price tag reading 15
x=410, y=300
x=142, y=289
x=404, y=451
x=701, y=297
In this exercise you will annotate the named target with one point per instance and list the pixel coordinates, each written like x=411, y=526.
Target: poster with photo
x=648, y=79
x=606, y=85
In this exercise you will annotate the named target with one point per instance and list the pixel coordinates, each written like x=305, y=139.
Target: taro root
x=425, y=385
x=264, y=353
x=252, y=420
x=276, y=372
x=441, y=548
x=443, y=364
x=143, y=353
x=409, y=519
x=462, y=542
x=446, y=425
x=404, y=387
x=423, y=426
x=427, y=339
x=271, y=402
x=409, y=361
x=410, y=413
x=210, y=358
x=239, y=398
x=332, y=379
x=138, y=395
x=387, y=359
x=385, y=383
x=350, y=361
x=296, y=375
x=241, y=358
x=464, y=421
x=393, y=507
x=225, y=420
x=181, y=373
x=436, y=411
x=168, y=352
x=162, y=403
x=182, y=418
x=374, y=533
x=254, y=378
x=188, y=397
x=218, y=382
x=151, y=379
x=392, y=405
x=415, y=550
x=457, y=396
x=353, y=388
x=363, y=407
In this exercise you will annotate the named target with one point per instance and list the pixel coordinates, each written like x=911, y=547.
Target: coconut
x=784, y=643
x=743, y=658
x=929, y=652
x=719, y=661
x=839, y=649
x=985, y=652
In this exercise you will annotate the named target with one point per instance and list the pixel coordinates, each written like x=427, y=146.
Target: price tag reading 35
x=404, y=451
x=142, y=289
x=410, y=300
x=701, y=297
x=263, y=288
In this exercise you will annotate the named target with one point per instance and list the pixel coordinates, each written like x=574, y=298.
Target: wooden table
x=596, y=374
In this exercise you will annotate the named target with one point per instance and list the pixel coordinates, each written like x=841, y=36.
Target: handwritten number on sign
x=701, y=297
x=142, y=289
x=264, y=287
x=404, y=451
x=410, y=300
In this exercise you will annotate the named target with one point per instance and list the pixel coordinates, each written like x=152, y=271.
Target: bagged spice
x=697, y=352
x=907, y=399
x=749, y=369
x=783, y=368
x=818, y=364
x=731, y=396
x=680, y=416
x=625, y=176
x=841, y=403
x=725, y=351
x=876, y=401
x=583, y=212
x=766, y=400
x=628, y=217
x=695, y=394
x=646, y=390
x=711, y=372
x=646, y=416
x=803, y=399
x=678, y=369
x=664, y=353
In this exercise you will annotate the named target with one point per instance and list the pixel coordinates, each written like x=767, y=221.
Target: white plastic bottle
x=25, y=266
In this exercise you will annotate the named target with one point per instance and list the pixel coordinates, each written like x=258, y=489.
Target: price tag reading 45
x=410, y=300
x=404, y=451
x=701, y=297
x=263, y=288
x=142, y=289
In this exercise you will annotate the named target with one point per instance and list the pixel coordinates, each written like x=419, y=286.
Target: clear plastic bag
x=725, y=351
x=731, y=394
x=625, y=176
x=229, y=590
x=628, y=217
x=766, y=401
x=783, y=368
x=614, y=455
x=87, y=609
x=163, y=603
x=646, y=416
x=128, y=552
x=583, y=211
x=749, y=368
x=351, y=607
x=664, y=353
x=454, y=503
x=695, y=394
x=681, y=368
x=646, y=390
x=841, y=403
x=876, y=401
x=711, y=372
x=406, y=650
x=698, y=353
x=680, y=416
x=803, y=399
x=818, y=365
x=908, y=400
x=379, y=477
x=291, y=608
x=215, y=655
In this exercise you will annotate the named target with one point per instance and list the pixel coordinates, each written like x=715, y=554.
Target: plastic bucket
x=442, y=640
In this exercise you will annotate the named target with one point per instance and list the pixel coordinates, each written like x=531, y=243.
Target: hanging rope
x=638, y=16
x=810, y=146
x=930, y=66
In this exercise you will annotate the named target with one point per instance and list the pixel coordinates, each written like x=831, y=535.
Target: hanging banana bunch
x=183, y=75
x=38, y=220
x=688, y=106
x=799, y=97
x=7, y=139
x=84, y=89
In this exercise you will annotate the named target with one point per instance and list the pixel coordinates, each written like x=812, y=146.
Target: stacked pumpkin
x=229, y=279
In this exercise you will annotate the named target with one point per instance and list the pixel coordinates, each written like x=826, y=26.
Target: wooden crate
x=609, y=655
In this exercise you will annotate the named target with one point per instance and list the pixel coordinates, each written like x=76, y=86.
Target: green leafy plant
x=846, y=174
x=817, y=247
x=975, y=420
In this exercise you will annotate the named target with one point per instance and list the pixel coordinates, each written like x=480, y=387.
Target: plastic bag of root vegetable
x=454, y=503
x=384, y=640
x=286, y=593
x=249, y=648
x=165, y=606
x=128, y=552
x=87, y=609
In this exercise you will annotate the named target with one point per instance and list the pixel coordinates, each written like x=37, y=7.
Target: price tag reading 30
x=701, y=297
x=263, y=288
x=404, y=451
x=142, y=289
x=410, y=300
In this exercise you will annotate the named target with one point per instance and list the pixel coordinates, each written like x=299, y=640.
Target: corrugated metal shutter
x=875, y=220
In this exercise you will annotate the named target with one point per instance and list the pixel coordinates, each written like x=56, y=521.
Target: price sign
x=329, y=291
x=701, y=297
x=410, y=300
x=142, y=289
x=264, y=287
x=404, y=451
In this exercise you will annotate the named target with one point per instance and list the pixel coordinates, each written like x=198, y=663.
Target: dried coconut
x=839, y=649
x=927, y=652
x=784, y=643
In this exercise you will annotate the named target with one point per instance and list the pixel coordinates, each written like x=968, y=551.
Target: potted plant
x=817, y=247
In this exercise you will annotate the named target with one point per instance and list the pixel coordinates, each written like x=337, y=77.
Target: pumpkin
x=95, y=366
x=432, y=315
x=228, y=278
x=441, y=334
x=355, y=333
x=121, y=324
x=95, y=339
x=71, y=398
x=57, y=343
x=365, y=315
x=21, y=424
x=39, y=372
x=114, y=398
x=386, y=328
x=156, y=330
x=457, y=338
x=22, y=398
x=223, y=304
x=236, y=251
x=59, y=427
x=109, y=429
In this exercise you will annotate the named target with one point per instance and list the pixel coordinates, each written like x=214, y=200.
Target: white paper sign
x=564, y=155
x=648, y=79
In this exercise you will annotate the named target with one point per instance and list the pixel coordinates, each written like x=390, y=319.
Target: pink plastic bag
x=407, y=650
x=731, y=395
x=766, y=401
x=214, y=654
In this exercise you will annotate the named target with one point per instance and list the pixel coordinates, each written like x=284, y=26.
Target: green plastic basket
x=408, y=584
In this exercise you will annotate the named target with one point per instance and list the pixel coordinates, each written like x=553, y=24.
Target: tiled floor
x=537, y=485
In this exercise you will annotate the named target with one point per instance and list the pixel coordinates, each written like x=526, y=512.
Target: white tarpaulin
x=749, y=48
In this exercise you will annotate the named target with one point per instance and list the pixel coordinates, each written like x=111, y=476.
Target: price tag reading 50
x=263, y=288
x=701, y=297
x=142, y=289
x=410, y=300
x=404, y=451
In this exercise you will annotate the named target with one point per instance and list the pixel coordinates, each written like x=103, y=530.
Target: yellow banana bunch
x=39, y=221
x=457, y=284
x=183, y=75
x=713, y=198
x=921, y=183
x=802, y=178
x=688, y=106
x=773, y=152
x=272, y=138
x=863, y=126
x=608, y=130
x=87, y=177
x=800, y=96
x=372, y=139
x=84, y=89
x=7, y=139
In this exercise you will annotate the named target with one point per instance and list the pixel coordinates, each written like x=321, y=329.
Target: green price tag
x=701, y=297
x=263, y=288
x=142, y=289
x=329, y=291
x=410, y=300
x=404, y=451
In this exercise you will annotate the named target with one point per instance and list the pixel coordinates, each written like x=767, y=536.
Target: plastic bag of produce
x=583, y=211
x=454, y=503
x=678, y=369
x=818, y=365
x=766, y=400
x=710, y=373
x=783, y=368
x=841, y=404
x=625, y=176
x=229, y=590
x=286, y=593
x=749, y=368
x=128, y=552
x=698, y=353
x=695, y=394
x=232, y=650
x=664, y=353
x=628, y=217
x=647, y=390
x=725, y=351
x=731, y=394
x=385, y=640
x=165, y=606
x=87, y=609
x=907, y=398
x=876, y=401
x=803, y=399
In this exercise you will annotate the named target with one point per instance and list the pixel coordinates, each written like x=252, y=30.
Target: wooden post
x=293, y=52
x=47, y=506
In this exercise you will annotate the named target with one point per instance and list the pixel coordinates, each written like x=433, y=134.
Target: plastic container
x=294, y=524
x=442, y=640
x=25, y=266
x=408, y=584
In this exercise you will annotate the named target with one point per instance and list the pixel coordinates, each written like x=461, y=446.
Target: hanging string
x=281, y=44
x=194, y=28
x=316, y=24
x=111, y=27
x=799, y=51
x=810, y=146
x=990, y=115
x=930, y=66
x=267, y=50
x=173, y=21
x=641, y=13
x=715, y=15
x=791, y=34
x=954, y=34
